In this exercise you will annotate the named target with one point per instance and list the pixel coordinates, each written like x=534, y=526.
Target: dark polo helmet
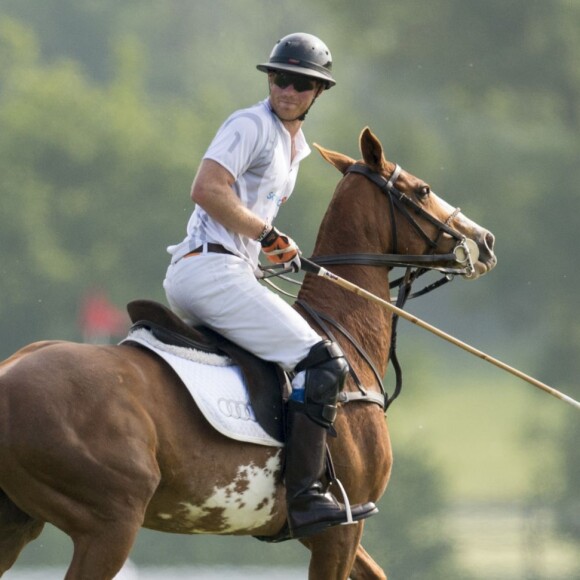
x=303, y=54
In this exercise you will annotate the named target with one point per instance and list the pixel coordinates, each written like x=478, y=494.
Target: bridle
x=406, y=207
x=416, y=266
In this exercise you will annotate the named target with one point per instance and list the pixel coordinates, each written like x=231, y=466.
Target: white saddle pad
x=217, y=386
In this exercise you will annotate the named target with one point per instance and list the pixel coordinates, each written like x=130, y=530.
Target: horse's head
x=421, y=223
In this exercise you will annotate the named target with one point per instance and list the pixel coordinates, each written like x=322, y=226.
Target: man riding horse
x=248, y=171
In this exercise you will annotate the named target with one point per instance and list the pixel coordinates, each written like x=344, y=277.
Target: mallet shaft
x=324, y=273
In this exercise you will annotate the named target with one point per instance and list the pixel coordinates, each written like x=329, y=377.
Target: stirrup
x=346, y=503
x=329, y=465
x=361, y=512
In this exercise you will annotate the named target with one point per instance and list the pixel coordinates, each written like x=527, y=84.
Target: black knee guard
x=326, y=369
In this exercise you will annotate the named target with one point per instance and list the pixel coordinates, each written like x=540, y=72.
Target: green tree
x=95, y=182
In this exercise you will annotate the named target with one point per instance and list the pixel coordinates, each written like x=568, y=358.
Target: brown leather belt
x=213, y=248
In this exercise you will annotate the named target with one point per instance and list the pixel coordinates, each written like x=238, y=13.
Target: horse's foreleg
x=365, y=568
x=16, y=530
x=101, y=553
x=333, y=552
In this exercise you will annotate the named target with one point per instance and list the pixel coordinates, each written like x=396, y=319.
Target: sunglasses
x=299, y=82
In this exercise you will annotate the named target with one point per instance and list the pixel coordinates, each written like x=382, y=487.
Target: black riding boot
x=311, y=509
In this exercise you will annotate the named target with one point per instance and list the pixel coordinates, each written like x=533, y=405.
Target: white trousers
x=221, y=291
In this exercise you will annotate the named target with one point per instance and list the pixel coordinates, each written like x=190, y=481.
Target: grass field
x=493, y=435
x=510, y=542
x=495, y=440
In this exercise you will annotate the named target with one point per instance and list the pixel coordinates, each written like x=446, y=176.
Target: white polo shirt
x=255, y=148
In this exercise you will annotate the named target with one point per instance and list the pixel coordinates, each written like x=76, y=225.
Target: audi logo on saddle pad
x=236, y=410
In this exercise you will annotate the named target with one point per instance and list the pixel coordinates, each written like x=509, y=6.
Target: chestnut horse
x=102, y=440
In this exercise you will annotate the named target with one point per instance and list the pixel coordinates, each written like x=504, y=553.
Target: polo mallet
x=309, y=266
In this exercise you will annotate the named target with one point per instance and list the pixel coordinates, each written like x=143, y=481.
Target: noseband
x=406, y=207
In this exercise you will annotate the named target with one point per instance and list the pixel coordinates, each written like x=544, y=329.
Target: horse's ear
x=340, y=161
x=371, y=149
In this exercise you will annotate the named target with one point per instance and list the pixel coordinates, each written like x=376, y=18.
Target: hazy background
x=105, y=109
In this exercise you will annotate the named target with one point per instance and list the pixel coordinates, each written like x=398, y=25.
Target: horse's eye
x=423, y=191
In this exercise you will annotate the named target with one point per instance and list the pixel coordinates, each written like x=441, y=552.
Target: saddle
x=266, y=382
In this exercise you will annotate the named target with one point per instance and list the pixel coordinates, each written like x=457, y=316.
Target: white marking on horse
x=246, y=503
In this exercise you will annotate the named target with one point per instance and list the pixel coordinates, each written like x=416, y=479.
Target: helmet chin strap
x=303, y=116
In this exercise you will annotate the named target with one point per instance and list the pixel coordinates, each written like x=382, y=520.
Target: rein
x=363, y=395
x=324, y=322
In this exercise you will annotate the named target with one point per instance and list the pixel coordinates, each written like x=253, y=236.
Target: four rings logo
x=236, y=409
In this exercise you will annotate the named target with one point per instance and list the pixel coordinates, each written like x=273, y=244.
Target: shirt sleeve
x=238, y=143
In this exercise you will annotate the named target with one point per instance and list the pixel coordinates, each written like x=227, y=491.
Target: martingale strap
x=324, y=321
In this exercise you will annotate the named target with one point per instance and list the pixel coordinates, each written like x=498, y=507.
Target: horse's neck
x=366, y=322
x=354, y=222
